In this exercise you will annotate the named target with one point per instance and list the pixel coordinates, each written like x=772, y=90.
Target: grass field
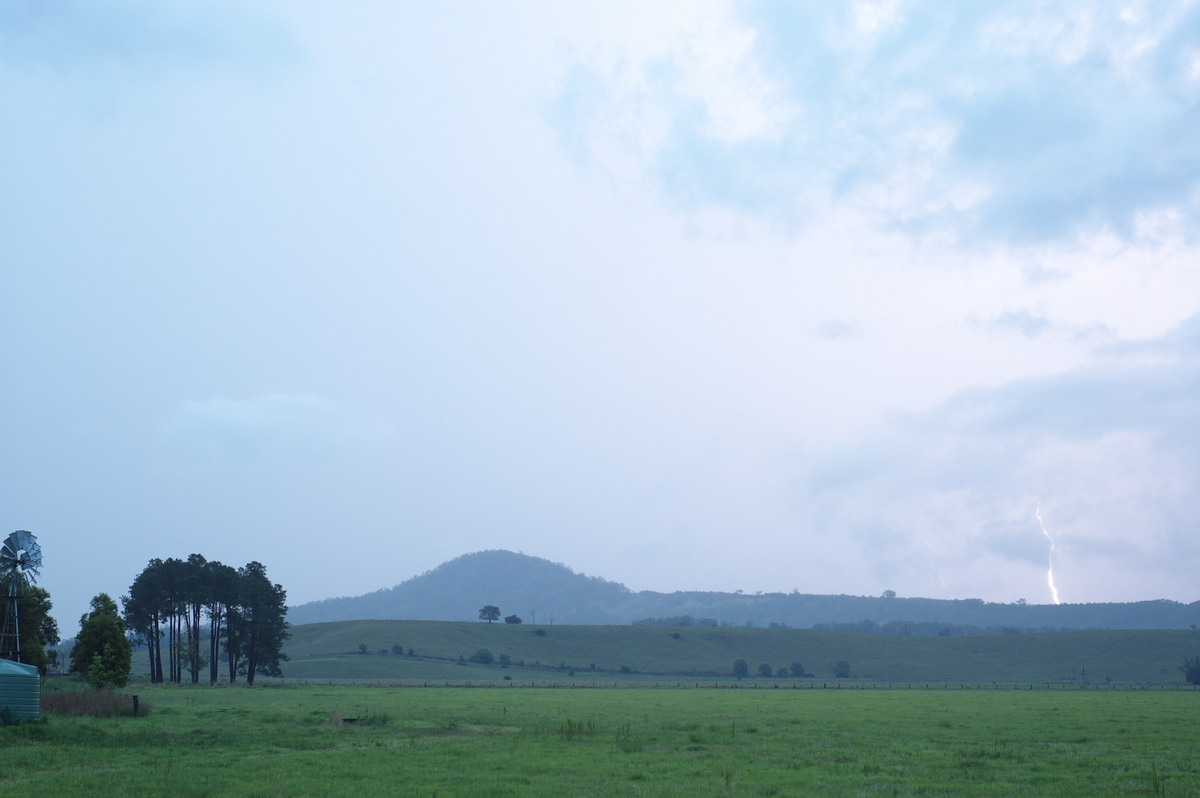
x=629, y=741
x=331, y=650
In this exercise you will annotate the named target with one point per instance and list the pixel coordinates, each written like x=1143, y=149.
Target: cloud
x=1112, y=451
x=836, y=329
x=272, y=425
x=1001, y=122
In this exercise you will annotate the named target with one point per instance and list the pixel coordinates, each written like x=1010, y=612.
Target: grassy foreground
x=637, y=741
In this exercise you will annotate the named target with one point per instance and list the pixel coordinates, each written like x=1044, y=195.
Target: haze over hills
x=544, y=592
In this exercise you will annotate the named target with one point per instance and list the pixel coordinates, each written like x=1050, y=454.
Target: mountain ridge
x=541, y=591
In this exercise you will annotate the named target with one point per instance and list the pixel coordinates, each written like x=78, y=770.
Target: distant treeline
x=865, y=626
x=680, y=620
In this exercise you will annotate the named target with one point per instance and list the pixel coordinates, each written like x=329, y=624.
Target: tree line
x=245, y=614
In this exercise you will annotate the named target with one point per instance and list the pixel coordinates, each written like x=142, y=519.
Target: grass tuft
x=93, y=703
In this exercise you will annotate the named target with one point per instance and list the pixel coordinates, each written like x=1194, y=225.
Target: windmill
x=20, y=559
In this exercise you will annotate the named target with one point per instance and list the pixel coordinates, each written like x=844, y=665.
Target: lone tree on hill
x=489, y=613
x=102, y=654
x=512, y=619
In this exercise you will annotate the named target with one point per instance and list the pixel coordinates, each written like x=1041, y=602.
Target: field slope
x=443, y=650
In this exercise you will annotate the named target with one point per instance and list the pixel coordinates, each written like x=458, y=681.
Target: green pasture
x=332, y=650
x=504, y=740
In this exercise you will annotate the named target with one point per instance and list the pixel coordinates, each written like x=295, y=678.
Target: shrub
x=1191, y=669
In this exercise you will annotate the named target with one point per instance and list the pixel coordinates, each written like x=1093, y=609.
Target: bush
x=1191, y=669
x=483, y=656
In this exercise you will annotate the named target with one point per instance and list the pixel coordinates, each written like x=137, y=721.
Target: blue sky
x=759, y=296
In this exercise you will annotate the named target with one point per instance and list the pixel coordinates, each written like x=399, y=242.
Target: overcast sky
x=828, y=297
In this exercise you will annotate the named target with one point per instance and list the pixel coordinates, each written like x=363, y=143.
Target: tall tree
x=145, y=611
x=195, y=597
x=222, y=597
x=170, y=578
x=258, y=626
x=102, y=654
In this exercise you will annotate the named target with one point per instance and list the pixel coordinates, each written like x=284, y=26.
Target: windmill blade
x=21, y=555
x=24, y=539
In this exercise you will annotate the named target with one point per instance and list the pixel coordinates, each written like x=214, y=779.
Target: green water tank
x=20, y=692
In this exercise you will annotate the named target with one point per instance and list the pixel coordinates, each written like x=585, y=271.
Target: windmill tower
x=20, y=559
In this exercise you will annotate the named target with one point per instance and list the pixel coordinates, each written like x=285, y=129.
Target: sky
x=761, y=296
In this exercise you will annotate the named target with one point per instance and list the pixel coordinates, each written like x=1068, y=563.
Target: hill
x=539, y=590
x=381, y=650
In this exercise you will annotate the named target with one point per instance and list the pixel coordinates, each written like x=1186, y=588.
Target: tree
x=244, y=611
x=765, y=670
x=483, y=656
x=740, y=668
x=797, y=669
x=222, y=594
x=38, y=629
x=257, y=626
x=1191, y=669
x=102, y=653
x=489, y=613
x=144, y=614
x=841, y=669
x=195, y=597
x=512, y=619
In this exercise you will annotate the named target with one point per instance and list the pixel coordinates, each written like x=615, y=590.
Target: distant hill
x=544, y=592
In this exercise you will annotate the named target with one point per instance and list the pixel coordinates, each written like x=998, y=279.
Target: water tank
x=20, y=692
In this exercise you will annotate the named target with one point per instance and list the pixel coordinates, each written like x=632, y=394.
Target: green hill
x=542, y=591
x=333, y=651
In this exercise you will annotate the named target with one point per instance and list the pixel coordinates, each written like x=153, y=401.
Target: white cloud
x=1003, y=122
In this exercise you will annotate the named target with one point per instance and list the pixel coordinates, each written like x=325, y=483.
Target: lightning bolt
x=1037, y=513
